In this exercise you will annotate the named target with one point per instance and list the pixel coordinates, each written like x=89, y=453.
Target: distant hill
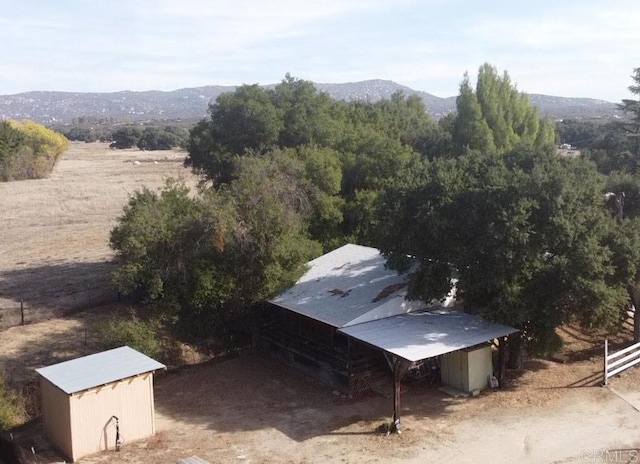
x=191, y=103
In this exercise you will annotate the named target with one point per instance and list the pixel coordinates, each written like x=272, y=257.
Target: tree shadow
x=54, y=290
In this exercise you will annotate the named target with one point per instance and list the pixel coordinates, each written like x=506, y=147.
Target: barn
x=348, y=323
x=97, y=402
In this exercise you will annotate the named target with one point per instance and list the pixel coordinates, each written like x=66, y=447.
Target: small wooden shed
x=87, y=401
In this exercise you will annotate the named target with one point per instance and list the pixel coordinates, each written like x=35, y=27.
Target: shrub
x=139, y=334
x=28, y=150
x=11, y=407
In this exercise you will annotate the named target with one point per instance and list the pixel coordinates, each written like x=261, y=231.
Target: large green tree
x=245, y=121
x=349, y=150
x=205, y=259
x=496, y=116
x=308, y=116
x=525, y=235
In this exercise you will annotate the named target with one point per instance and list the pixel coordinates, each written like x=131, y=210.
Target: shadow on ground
x=53, y=290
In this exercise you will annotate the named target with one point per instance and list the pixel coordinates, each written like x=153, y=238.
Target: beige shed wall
x=480, y=368
x=92, y=426
x=55, y=415
x=467, y=370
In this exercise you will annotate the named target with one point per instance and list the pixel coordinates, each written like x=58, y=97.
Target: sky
x=571, y=48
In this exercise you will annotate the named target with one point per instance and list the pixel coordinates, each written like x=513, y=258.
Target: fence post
x=606, y=361
x=21, y=312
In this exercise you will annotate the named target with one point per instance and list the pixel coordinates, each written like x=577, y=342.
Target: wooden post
x=396, y=394
x=502, y=361
x=606, y=362
x=21, y=312
x=399, y=368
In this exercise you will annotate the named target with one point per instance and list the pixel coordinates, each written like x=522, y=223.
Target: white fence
x=614, y=364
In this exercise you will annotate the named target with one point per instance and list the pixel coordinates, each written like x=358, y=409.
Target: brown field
x=53, y=250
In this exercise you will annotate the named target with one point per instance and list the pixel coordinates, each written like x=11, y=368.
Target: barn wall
x=55, y=416
x=93, y=428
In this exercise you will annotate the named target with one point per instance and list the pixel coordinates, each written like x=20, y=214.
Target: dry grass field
x=54, y=252
x=54, y=255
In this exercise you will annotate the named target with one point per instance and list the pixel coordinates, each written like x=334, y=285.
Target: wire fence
x=25, y=312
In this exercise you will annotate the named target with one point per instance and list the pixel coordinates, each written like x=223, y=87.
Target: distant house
x=94, y=403
x=347, y=321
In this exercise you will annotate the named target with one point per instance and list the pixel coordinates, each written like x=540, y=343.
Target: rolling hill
x=191, y=103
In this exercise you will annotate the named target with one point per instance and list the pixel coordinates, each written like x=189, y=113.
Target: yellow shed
x=96, y=402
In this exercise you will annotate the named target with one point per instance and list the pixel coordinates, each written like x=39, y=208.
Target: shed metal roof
x=192, y=460
x=423, y=335
x=347, y=286
x=98, y=369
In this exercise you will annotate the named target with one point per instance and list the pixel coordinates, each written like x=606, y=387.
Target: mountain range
x=191, y=103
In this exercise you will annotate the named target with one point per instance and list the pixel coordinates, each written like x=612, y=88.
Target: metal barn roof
x=427, y=334
x=98, y=369
x=347, y=286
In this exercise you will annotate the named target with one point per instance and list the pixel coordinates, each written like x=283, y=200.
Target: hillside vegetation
x=479, y=196
x=28, y=150
x=191, y=103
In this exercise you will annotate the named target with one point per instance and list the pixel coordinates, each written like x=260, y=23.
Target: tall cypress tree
x=632, y=108
x=497, y=116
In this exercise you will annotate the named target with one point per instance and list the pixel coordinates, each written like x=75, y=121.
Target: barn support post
x=399, y=368
x=502, y=361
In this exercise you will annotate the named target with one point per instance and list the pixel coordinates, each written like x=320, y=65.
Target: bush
x=28, y=150
x=126, y=137
x=11, y=407
x=139, y=334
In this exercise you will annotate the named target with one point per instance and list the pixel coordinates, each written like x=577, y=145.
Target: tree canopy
x=206, y=259
x=479, y=197
x=362, y=145
x=524, y=235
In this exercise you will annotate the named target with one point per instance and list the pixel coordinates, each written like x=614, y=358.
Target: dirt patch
x=248, y=409
x=54, y=253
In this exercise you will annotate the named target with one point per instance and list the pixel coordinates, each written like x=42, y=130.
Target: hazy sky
x=578, y=48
